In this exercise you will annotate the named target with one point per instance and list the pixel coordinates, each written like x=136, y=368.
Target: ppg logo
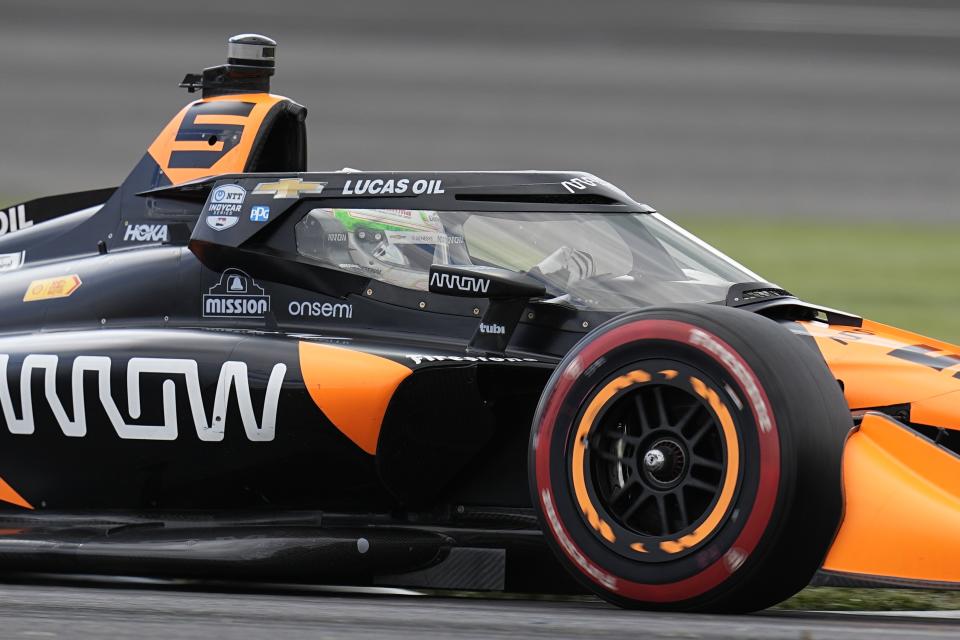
x=259, y=213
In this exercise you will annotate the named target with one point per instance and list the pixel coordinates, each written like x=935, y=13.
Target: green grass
x=902, y=273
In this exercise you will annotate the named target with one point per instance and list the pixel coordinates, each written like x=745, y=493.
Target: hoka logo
x=469, y=284
x=146, y=233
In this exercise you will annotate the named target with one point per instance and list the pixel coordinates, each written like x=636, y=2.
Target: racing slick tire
x=689, y=458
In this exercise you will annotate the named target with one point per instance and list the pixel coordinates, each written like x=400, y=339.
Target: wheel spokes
x=661, y=408
x=642, y=413
x=707, y=463
x=695, y=483
x=636, y=504
x=662, y=508
x=658, y=460
x=694, y=408
x=681, y=507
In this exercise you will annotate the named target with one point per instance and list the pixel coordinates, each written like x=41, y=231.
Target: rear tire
x=688, y=458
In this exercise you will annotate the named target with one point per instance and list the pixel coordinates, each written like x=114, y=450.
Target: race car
x=231, y=368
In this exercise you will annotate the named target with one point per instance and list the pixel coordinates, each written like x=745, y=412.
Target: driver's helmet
x=393, y=245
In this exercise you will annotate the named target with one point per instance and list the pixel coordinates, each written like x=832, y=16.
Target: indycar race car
x=231, y=368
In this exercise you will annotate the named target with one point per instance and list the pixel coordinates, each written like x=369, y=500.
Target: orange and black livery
x=230, y=367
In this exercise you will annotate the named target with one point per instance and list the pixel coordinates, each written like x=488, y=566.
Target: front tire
x=688, y=458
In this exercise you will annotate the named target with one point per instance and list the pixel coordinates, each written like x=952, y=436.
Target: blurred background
x=815, y=141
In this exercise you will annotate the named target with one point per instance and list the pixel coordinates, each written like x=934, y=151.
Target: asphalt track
x=788, y=107
x=145, y=613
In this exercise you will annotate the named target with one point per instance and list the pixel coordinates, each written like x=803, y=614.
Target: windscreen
x=597, y=261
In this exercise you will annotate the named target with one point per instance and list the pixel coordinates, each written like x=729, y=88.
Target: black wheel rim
x=655, y=462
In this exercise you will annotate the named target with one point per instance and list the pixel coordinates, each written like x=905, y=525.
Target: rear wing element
x=25, y=215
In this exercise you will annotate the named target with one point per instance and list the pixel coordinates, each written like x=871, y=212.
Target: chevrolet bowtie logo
x=289, y=188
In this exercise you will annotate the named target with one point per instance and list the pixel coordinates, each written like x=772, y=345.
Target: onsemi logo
x=320, y=309
x=236, y=295
x=146, y=233
x=233, y=380
x=14, y=219
x=468, y=284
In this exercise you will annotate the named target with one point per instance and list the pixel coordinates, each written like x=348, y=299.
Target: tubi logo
x=493, y=329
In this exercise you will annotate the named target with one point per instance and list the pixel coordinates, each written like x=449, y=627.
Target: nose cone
x=882, y=366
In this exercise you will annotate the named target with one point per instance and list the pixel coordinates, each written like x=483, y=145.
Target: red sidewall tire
x=686, y=583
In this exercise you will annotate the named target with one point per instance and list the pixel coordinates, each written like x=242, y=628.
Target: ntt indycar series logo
x=236, y=295
x=223, y=208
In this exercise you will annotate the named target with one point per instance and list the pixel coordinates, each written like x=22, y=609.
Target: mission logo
x=236, y=295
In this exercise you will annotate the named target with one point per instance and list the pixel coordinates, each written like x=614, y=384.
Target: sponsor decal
x=598, y=574
x=259, y=213
x=50, y=288
x=11, y=261
x=419, y=359
x=392, y=187
x=236, y=295
x=469, y=284
x=226, y=199
x=289, y=188
x=734, y=558
x=146, y=233
x=321, y=309
x=233, y=378
x=493, y=329
x=416, y=237
x=579, y=184
x=747, y=381
x=224, y=205
x=14, y=219
x=219, y=223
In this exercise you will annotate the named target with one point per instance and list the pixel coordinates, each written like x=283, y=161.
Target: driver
x=397, y=246
x=565, y=266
